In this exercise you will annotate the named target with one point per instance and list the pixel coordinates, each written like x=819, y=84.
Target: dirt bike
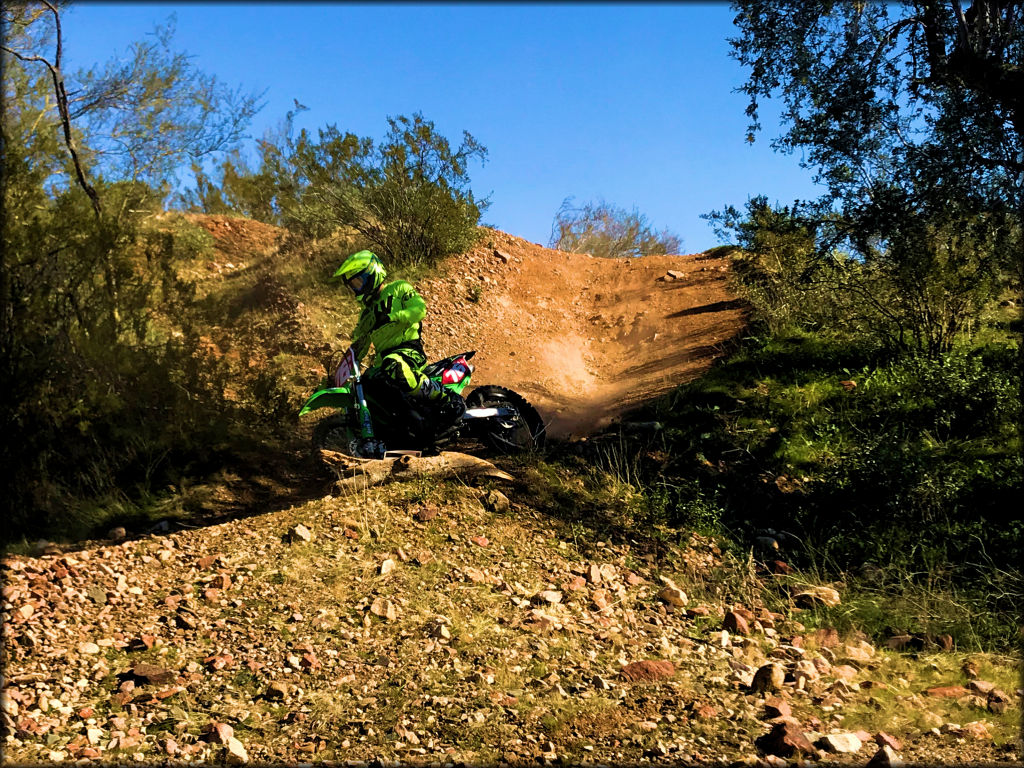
x=372, y=417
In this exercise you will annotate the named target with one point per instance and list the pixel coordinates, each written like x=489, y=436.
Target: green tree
x=98, y=359
x=409, y=196
x=912, y=116
x=606, y=231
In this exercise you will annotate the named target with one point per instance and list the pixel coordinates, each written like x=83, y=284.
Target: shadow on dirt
x=717, y=306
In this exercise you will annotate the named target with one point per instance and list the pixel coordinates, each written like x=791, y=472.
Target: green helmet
x=362, y=272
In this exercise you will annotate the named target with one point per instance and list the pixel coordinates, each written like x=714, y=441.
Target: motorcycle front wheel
x=524, y=432
x=333, y=433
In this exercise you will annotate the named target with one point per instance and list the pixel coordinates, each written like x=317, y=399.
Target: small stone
x=844, y=672
x=861, y=651
x=672, y=594
x=152, y=673
x=88, y=648
x=234, y=752
x=480, y=541
x=883, y=739
x=218, y=733
x=981, y=686
x=977, y=730
x=648, y=670
x=947, y=692
x=299, y=533
x=278, y=691
x=547, y=596
x=998, y=701
x=885, y=757
x=805, y=669
x=426, y=514
x=387, y=566
x=776, y=707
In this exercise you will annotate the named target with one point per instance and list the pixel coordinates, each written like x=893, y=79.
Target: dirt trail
x=584, y=338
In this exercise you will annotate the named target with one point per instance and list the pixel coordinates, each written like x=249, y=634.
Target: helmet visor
x=358, y=283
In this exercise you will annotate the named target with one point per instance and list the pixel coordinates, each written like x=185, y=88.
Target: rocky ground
x=441, y=623
x=438, y=623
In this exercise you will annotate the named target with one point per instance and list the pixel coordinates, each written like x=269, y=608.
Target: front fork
x=365, y=423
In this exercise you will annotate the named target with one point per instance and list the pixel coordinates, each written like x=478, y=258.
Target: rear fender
x=334, y=397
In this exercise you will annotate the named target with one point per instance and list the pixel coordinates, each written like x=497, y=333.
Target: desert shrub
x=408, y=196
x=603, y=230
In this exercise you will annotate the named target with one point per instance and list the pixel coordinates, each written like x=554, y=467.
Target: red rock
x=705, y=712
x=207, y=561
x=776, y=707
x=982, y=687
x=218, y=733
x=785, y=739
x=947, y=692
x=480, y=541
x=735, y=623
x=426, y=514
x=649, y=669
x=883, y=739
x=576, y=585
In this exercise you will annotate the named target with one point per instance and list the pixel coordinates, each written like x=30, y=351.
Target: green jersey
x=389, y=319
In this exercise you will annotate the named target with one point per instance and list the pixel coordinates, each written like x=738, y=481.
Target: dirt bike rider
x=390, y=320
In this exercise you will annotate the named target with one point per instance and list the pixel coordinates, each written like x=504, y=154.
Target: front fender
x=335, y=397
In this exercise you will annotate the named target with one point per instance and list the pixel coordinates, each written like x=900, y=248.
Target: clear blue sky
x=630, y=103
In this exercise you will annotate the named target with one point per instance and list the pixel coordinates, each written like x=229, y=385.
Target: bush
x=408, y=198
x=602, y=230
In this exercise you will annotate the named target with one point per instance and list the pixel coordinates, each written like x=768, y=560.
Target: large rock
x=298, y=533
x=843, y=743
x=812, y=597
x=785, y=739
x=496, y=501
x=234, y=752
x=735, y=623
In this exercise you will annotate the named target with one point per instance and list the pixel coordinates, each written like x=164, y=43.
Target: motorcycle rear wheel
x=524, y=433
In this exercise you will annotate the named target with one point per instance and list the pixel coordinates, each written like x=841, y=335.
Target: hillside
x=583, y=338
x=529, y=621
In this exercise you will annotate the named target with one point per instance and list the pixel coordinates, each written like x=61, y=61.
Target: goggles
x=357, y=283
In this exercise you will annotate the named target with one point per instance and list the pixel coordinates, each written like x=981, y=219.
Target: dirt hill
x=584, y=338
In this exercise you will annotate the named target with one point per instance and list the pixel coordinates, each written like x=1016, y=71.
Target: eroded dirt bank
x=584, y=338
